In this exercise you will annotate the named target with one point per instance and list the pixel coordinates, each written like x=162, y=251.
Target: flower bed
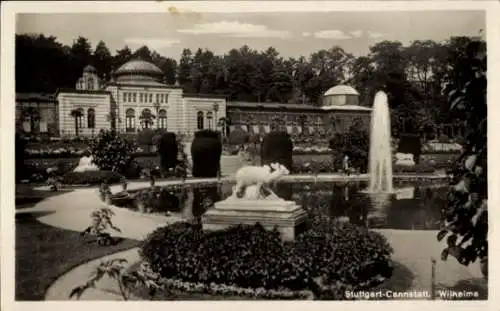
x=256, y=260
x=90, y=178
x=418, y=168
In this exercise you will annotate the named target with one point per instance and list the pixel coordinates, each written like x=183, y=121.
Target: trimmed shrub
x=168, y=151
x=410, y=143
x=91, y=178
x=277, y=147
x=206, y=150
x=110, y=152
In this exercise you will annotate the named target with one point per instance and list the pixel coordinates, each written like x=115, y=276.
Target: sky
x=292, y=33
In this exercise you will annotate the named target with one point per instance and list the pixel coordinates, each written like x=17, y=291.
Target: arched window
x=130, y=120
x=91, y=118
x=162, y=119
x=79, y=118
x=210, y=119
x=146, y=118
x=199, y=120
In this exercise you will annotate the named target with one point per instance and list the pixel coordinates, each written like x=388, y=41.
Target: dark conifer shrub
x=277, y=147
x=206, y=150
x=168, y=150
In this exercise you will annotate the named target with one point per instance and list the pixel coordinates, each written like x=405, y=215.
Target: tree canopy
x=412, y=75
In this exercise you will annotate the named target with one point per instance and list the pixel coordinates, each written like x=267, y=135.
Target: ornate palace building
x=136, y=98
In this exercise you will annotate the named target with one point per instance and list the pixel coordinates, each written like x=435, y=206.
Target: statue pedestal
x=286, y=216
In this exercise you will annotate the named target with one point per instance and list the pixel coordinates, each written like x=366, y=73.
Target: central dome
x=139, y=72
x=341, y=90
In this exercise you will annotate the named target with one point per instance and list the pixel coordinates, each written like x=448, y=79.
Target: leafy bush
x=110, y=152
x=133, y=170
x=91, y=178
x=277, y=147
x=206, y=150
x=168, y=150
x=355, y=144
x=101, y=223
x=252, y=257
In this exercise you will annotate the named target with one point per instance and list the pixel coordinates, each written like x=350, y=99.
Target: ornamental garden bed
x=252, y=258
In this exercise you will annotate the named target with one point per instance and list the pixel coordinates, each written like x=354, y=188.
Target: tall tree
x=102, y=60
x=81, y=56
x=42, y=64
x=143, y=53
x=121, y=57
x=184, y=71
x=167, y=65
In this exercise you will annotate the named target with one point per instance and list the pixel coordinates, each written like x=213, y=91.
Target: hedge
x=277, y=147
x=168, y=150
x=206, y=150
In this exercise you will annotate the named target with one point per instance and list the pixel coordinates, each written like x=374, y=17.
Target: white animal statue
x=252, y=181
x=405, y=159
x=85, y=164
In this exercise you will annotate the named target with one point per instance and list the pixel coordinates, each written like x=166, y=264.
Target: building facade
x=135, y=98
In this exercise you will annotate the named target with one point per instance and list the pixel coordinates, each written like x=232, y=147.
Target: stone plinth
x=286, y=216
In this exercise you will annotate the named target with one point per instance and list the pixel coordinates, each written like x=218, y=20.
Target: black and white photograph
x=185, y=152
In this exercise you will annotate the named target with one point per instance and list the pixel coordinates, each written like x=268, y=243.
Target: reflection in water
x=343, y=202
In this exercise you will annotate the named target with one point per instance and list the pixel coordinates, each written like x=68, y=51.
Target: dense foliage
x=168, y=151
x=355, y=143
x=277, y=147
x=245, y=74
x=145, y=138
x=252, y=257
x=465, y=218
x=237, y=137
x=206, y=150
x=410, y=143
x=90, y=178
x=111, y=152
x=20, y=145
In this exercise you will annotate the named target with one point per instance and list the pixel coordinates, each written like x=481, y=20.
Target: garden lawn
x=44, y=253
x=27, y=197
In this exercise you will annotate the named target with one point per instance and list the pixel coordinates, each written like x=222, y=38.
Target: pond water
x=414, y=206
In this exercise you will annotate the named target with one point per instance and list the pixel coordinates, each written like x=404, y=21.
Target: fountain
x=380, y=157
